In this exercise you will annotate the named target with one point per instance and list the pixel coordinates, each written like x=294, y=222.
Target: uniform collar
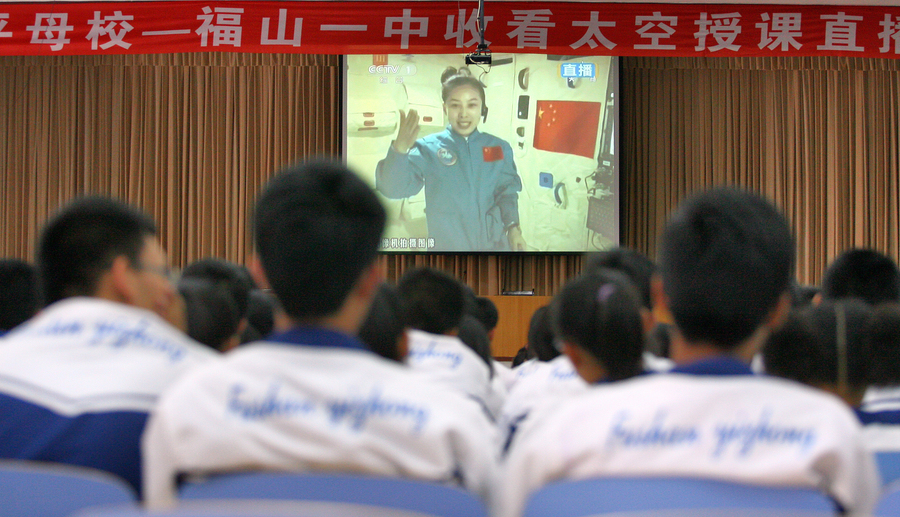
x=318, y=337
x=721, y=365
x=457, y=136
x=877, y=417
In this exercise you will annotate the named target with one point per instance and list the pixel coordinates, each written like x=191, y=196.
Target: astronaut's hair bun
x=451, y=73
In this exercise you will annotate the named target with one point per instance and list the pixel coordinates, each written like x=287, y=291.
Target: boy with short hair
x=725, y=265
x=313, y=397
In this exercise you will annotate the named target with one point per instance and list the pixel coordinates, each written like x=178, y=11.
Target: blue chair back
x=888, y=465
x=889, y=503
x=35, y=489
x=383, y=492
x=662, y=496
x=254, y=508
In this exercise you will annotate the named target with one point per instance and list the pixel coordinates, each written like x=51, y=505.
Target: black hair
x=250, y=335
x=470, y=300
x=827, y=344
x=486, y=312
x=19, y=295
x=659, y=340
x=260, y=314
x=81, y=242
x=231, y=276
x=475, y=336
x=725, y=259
x=452, y=78
x=212, y=313
x=862, y=273
x=384, y=325
x=317, y=227
x=600, y=313
x=541, y=341
x=434, y=300
x=802, y=295
x=885, y=334
x=636, y=266
x=521, y=357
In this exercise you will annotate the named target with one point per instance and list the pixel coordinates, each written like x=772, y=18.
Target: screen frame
x=614, y=78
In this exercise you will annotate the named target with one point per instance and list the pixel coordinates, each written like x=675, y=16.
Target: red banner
x=625, y=29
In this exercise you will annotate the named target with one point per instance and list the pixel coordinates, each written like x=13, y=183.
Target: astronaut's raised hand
x=408, y=132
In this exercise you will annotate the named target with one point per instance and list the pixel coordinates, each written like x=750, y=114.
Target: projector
x=479, y=57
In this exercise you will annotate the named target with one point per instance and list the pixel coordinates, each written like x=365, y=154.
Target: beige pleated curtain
x=191, y=138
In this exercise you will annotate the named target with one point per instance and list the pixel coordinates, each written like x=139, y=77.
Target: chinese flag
x=568, y=127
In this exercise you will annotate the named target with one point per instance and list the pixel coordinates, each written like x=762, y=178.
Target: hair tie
x=605, y=291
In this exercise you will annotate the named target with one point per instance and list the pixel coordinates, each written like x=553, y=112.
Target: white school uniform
x=537, y=383
x=711, y=419
x=880, y=416
x=449, y=362
x=312, y=399
x=78, y=379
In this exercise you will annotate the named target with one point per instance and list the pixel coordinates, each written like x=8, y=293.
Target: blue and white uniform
x=709, y=419
x=506, y=375
x=880, y=416
x=314, y=399
x=471, y=187
x=449, y=362
x=78, y=379
x=537, y=383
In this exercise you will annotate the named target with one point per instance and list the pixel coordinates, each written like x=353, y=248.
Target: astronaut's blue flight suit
x=471, y=187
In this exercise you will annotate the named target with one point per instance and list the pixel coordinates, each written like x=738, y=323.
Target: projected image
x=517, y=156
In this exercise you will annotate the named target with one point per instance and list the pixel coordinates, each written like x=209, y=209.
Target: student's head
x=862, y=273
x=636, y=266
x=726, y=258
x=464, y=100
x=842, y=346
x=317, y=227
x=260, y=315
x=434, y=300
x=541, y=341
x=384, y=329
x=473, y=334
x=101, y=247
x=19, y=298
x=231, y=276
x=827, y=346
x=212, y=314
x=597, y=318
x=885, y=333
x=486, y=312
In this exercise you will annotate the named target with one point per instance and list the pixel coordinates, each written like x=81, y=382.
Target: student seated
x=843, y=347
x=640, y=270
x=212, y=316
x=553, y=376
x=435, y=303
x=547, y=376
x=869, y=275
x=873, y=277
x=725, y=263
x=384, y=329
x=314, y=397
x=78, y=379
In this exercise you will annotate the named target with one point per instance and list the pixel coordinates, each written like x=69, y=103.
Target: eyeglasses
x=164, y=271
